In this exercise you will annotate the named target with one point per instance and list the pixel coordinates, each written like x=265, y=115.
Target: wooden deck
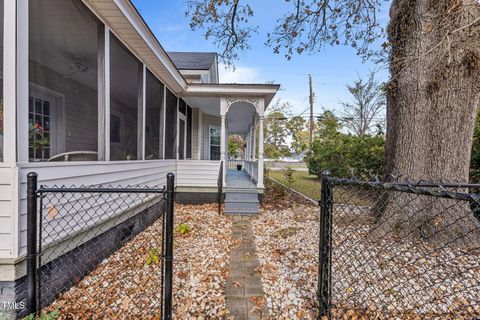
x=241, y=195
x=239, y=180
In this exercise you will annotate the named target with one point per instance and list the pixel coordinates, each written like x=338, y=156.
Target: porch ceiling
x=266, y=91
x=207, y=98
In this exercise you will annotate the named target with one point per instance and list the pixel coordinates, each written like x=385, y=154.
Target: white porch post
x=261, y=107
x=16, y=87
x=223, y=113
x=254, y=150
x=106, y=89
x=247, y=151
x=10, y=83
x=250, y=143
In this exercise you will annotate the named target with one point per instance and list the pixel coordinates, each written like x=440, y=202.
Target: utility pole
x=311, y=111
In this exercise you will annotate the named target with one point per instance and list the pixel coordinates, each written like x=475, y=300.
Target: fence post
x=169, y=247
x=324, y=266
x=32, y=212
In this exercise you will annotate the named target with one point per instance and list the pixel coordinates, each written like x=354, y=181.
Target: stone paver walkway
x=244, y=292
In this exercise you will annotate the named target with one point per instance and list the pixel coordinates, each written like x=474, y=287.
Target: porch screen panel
x=171, y=126
x=63, y=72
x=126, y=74
x=181, y=144
x=189, y=132
x=182, y=107
x=1, y=80
x=153, y=117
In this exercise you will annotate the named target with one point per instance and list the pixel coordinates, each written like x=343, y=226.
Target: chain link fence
x=399, y=250
x=100, y=252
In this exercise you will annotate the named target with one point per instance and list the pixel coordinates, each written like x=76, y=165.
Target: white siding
x=143, y=173
x=197, y=173
x=7, y=205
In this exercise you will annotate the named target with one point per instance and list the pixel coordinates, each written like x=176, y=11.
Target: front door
x=214, y=139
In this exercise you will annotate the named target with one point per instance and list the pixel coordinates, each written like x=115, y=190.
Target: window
x=182, y=107
x=214, y=138
x=171, y=126
x=41, y=131
x=153, y=117
x=115, y=128
x=64, y=55
x=189, y=132
x=126, y=89
x=181, y=145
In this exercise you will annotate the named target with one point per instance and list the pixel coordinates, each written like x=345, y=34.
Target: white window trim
x=210, y=127
x=181, y=116
x=57, y=113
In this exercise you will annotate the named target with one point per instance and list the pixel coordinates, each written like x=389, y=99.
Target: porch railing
x=232, y=164
x=220, y=188
x=251, y=167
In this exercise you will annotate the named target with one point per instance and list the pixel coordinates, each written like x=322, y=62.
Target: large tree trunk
x=432, y=104
x=435, y=88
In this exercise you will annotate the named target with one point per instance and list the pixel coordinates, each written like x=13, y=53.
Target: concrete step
x=243, y=206
x=240, y=211
x=239, y=190
x=242, y=197
x=241, y=203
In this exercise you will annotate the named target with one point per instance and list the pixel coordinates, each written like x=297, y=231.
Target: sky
x=332, y=68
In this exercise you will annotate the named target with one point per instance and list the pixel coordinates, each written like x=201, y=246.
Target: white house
x=90, y=97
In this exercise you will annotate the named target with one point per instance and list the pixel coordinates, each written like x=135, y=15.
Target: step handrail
x=220, y=188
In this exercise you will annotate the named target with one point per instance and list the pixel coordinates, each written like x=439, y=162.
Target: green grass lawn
x=303, y=182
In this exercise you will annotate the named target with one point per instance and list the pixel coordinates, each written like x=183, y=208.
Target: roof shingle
x=193, y=60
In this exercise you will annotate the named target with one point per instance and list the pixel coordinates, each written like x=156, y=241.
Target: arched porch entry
x=244, y=117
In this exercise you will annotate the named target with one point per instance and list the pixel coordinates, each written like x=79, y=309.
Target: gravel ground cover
x=399, y=278
x=124, y=286
x=384, y=279
x=286, y=235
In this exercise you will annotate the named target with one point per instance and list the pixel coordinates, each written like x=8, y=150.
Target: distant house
x=90, y=97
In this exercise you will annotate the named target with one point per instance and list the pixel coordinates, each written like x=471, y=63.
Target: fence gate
x=399, y=250
x=100, y=252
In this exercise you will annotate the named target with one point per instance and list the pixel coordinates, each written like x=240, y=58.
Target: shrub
x=288, y=175
x=347, y=155
x=183, y=228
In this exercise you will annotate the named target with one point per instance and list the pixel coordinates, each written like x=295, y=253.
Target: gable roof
x=193, y=60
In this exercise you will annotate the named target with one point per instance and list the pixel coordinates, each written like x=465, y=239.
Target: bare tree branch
x=224, y=21
x=368, y=106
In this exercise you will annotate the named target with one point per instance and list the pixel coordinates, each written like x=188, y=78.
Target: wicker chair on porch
x=75, y=156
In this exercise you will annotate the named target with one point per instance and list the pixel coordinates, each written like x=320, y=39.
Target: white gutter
x=129, y=11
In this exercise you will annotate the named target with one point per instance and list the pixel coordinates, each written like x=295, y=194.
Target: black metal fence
x=399, y=250
x=100, y=252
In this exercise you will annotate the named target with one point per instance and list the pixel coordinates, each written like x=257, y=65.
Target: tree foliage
x=306, y=26
x=276, y=134
x=235, y=145
x=300, y=137
x=226, y=22
x=327, y=126
x=276, y=131
x=361, y=116
x=343, y=154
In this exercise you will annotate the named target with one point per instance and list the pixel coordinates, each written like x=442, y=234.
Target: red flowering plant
x=37, y=136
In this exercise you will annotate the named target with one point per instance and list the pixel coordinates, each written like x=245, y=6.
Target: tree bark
x=435, y=88
x=432, y=105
